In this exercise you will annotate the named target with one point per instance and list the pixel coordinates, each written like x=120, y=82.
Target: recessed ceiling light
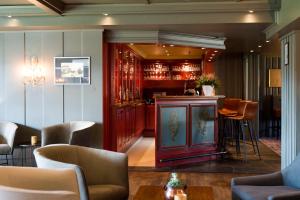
x=210, y=57
x=9, y=16
x=164, y=46
x=209, y=60
x=202, y=48
x=215, y=51
x=259, y=46
x=267, y=41
x=213, y=54
x=251, y=51
x=105, y=14
x=168, y=54
x=251, y=11
x=131, y=44
x=171, y=45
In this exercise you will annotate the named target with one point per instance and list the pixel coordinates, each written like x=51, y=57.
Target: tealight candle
x=33, y=140
x=180, y=197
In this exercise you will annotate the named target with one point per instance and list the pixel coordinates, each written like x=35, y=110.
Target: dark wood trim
x=51, y=6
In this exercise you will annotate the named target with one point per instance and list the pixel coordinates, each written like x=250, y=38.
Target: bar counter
x=186, y=129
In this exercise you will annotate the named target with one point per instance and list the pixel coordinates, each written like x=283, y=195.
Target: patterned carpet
x=273, y=144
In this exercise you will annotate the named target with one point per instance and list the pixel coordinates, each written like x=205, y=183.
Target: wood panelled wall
x=49, y=104
x=256, y=79
x=229, y=69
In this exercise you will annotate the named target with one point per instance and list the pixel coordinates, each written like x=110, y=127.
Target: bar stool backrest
x=242, y=107
x=251, y=110
x=231, y=103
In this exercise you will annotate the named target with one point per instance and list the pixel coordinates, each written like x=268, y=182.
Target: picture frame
x=72, y=70
x=286, y=53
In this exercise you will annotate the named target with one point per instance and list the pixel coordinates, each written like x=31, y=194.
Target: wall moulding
x=165, y=37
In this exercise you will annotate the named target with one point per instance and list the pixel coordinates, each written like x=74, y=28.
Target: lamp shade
x=274, y=77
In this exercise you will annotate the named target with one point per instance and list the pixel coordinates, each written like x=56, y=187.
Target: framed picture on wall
x=286, y=53
x=72, y=70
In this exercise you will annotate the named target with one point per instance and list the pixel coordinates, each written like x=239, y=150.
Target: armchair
x=104, y=172
x=7, y=137
x=75, y=132
x=282, y=185
x=24, y=183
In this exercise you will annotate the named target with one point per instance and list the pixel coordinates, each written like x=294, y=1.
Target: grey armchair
x=25, y=183
x=283, y=185
x=7, y=137
x=104, y=172
x=75, y=132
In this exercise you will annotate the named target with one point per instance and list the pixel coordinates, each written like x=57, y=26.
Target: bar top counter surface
x=186, y=129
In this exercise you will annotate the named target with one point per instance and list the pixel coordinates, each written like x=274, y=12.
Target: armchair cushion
x=248, y=192
x=259, y=180
x=104, y=192
x=5, y=149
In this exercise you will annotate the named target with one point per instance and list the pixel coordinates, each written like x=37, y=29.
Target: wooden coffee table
x=157, y=193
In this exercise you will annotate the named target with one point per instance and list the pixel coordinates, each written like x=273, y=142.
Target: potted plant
x=174, y=186
x=208, y=83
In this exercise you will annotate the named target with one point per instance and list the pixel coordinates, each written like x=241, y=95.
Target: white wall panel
x=53, y=94
x=2, y=68
x=73, y=93
x=14, y=87
x=92, y=94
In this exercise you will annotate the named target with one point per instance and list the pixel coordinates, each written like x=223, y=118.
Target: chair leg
x=6, y=159
x=244, y=139
x=255, y=139
x=251, y=136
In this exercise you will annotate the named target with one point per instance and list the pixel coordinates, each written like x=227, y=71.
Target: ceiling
x=219, y=20
x=24, y=2
x=161, y=51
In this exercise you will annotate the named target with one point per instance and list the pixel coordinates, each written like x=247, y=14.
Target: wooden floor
x=220, y=182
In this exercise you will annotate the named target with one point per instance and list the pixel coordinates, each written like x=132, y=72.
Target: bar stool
x=230, y=107
x=246, y=120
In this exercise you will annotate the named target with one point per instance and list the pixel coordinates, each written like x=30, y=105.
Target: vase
x=171, y=192
x=208, y=90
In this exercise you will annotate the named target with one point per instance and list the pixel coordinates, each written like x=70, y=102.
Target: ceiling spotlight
x=202, y=48
x=164, y=46
x=251, y=51
x=251, y=11
x=213, y=54
x=259, y=46
x=9, y=16
x=216, y=51
x=105, y=14
x=209, y=60
x=171, y=45
x=267, y=41
x=131, y=44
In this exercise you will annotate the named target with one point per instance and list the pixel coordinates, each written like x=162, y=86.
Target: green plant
x=174, y=182
x=207, y=79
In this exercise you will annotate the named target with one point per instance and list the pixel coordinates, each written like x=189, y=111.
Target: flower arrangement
x=174, y=182
x=207, y=79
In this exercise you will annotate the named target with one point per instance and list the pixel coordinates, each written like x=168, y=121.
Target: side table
x=24, y=156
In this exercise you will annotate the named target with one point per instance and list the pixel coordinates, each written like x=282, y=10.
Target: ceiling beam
x=55, y=7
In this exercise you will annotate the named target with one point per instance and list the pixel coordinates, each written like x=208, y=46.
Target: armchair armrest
x=286, y=196
x=260, y=180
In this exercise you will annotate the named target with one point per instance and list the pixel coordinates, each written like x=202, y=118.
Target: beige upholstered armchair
x=7, y=137
x=76, y=132
x=25, y=183
x=105, y=172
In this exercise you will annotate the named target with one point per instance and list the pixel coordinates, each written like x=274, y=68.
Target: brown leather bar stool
x=230, y=108
x=246, y=120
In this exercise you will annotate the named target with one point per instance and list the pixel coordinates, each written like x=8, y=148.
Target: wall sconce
x=275, y=78
x=34, y=73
